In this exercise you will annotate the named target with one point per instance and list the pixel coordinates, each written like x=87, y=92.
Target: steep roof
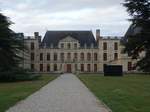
x=84, y=37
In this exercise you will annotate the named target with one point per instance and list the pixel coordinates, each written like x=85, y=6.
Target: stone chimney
x=36, y=34
x=97, y=34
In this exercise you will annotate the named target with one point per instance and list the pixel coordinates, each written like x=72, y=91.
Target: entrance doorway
x=69, y=68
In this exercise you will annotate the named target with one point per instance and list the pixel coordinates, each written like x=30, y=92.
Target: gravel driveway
x=65, y=94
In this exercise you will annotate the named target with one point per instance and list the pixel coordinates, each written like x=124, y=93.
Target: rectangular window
x=32, y=46
x=62, y=56
x=75, y=56
x=62, y=45
x=95, y=67
x=69, y=45
x=55, y=56
x=41, y=56
x=115, y=46
x=32, y=56
x=75, y=45
x=105, y=56
x=48, y=56
x=129, y=66
x=82, y=67
x=115, y=56
x=95, y=57
x=105, y=46
x=41, y=67
x=48, y=68
x=89, y=68
x=32, y=66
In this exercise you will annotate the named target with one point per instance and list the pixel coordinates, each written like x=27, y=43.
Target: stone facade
x=70, y=56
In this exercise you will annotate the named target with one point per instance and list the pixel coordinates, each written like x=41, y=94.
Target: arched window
x=89, y=68
x=105, y=46
x=89, y=56
x=55, y=67
x=95, y=56
x=82, y=56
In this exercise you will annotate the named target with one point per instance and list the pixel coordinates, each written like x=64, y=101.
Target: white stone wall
x=123, y=59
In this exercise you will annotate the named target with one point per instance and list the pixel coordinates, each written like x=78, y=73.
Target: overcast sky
x=42, y=15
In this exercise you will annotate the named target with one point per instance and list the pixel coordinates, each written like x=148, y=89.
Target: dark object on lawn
x=113, y=70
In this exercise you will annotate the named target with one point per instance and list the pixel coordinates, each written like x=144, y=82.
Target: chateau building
x=74, y=51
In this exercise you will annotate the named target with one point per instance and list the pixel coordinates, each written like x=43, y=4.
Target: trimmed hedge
x=17, y=75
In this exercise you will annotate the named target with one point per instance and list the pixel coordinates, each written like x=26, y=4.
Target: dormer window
x=62, y=45
x=69, y=45
x=75, y=45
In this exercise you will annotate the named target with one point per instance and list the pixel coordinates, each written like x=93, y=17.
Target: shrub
x=17, y=75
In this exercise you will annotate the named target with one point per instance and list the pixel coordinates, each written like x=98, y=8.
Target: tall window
x=69, y=45
x=55, y=56
x=75, y=56
x=62, y=56
x=48, y=56
x=95, y=57
x=95, y=67
x=41, y=56
x=82, y=67
x=105, y=46
x=41, y=67
x=105, y=56
x=75, y=45
x=115, y=56
x=48, y=67
x=129, y=66
x=62, y=45
x=89, y=68
x=55, y=67
x=82, y=56
x=115, y=46
x=32, y=45
x=32, y=56
x=32, y=66
x=76, y=67
x=69, y=56
x=89, y=56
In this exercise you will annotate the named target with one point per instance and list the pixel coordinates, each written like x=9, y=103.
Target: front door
x=68, y=68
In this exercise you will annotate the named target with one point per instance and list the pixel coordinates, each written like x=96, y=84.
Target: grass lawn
x=10, y=93
x=121, y=94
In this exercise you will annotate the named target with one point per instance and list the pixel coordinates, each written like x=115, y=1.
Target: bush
x=17, y=75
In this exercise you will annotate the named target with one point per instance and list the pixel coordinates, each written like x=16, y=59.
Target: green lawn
x=121, y=94
x=10, y=93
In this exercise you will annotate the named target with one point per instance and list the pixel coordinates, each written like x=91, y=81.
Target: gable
x=83, y=37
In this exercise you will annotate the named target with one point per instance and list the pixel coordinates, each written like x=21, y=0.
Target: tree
x=10, y=46
x=139, y=40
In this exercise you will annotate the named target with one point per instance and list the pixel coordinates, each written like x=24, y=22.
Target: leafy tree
x=10, y=46
x=139, y=40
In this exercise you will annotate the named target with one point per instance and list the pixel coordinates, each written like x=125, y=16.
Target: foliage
x=139, y=41
x=11, y=45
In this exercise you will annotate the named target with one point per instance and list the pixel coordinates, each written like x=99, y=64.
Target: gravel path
x=65, y=94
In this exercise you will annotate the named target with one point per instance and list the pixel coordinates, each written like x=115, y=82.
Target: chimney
x=36, y=34
x=97, y=34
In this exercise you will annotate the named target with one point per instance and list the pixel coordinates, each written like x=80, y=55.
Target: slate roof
x=132, y=30
x=84, y=37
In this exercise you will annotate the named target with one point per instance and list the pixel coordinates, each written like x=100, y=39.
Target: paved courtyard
x=65, y=94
